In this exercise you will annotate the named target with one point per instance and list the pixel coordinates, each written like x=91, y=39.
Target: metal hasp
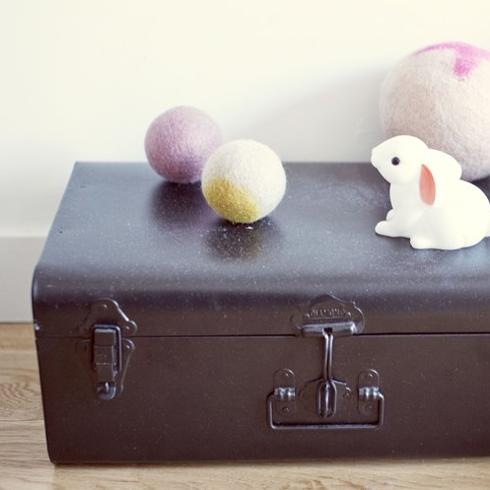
x=326, y=389
x=326, y=318
x=107, y=352
x=106, y=359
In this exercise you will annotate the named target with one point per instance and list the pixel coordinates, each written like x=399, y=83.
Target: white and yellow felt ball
x=243, y=181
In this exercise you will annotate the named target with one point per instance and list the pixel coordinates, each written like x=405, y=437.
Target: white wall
x=82, y=80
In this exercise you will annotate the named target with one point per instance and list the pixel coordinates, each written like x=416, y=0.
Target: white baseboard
x=18, y=257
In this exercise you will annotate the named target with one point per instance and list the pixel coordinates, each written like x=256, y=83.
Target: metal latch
x=326, y=318
x=323, y=392
x=106, y=359
x=107, y=352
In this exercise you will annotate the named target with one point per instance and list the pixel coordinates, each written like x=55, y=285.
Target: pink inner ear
x=427, y=186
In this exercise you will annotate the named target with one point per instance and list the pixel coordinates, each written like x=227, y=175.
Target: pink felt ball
x=441, y=94
x=179, y=141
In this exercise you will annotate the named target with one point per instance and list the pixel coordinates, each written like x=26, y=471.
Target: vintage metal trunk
x=165, y=333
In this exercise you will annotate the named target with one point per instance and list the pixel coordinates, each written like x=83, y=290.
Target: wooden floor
x=24, y=463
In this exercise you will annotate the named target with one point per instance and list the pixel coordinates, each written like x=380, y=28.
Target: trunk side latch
x=107, y=351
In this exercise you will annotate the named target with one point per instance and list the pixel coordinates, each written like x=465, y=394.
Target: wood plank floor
x=24, y=463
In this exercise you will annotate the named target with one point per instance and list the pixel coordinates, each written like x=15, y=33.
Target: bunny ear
x=427, y=185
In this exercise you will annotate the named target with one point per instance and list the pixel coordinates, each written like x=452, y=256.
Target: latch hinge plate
x=285, y=392
x=369, y=394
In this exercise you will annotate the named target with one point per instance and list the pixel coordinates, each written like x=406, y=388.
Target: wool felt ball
x=243, y=181
x=179, y=141
x=441, y=94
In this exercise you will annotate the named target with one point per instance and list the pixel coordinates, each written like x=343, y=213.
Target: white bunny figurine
x=431, y=205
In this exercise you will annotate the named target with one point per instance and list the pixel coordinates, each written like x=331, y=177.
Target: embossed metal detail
x=328, y=312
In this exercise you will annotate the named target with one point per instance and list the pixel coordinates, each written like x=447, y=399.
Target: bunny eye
x=395, y=160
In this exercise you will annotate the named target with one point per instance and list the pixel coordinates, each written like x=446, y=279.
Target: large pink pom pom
x=441, y=94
